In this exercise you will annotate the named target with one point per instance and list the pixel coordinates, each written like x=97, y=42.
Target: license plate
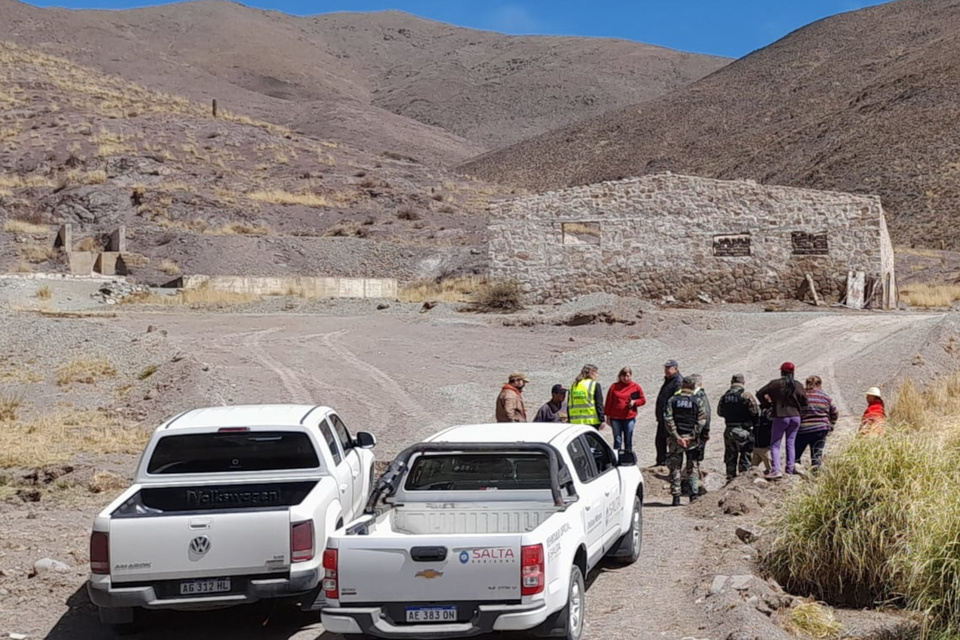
x=199, y=587
x=431, y=614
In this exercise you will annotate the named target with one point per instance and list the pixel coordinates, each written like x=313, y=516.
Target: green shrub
x=881, y=523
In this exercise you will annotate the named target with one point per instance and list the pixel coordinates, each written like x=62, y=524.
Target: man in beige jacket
x=510, y=406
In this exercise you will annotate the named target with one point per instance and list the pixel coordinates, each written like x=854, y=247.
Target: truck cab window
x=342, y=432
x=600, y=452
x=331, y=441
x=580, y=459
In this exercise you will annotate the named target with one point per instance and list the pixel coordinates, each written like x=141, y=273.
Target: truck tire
x=627, y=549
x=572, y=614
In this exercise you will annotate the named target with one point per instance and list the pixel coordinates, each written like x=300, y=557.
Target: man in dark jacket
x=685, y=418
x=671, y=385
x=739, y=410
x=556, y=409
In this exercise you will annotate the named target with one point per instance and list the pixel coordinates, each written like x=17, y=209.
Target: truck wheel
x=632, y=540
x=574, y=611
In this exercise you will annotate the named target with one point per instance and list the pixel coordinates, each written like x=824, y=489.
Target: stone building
x=671, y=235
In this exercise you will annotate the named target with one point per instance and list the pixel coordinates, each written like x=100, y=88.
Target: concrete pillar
x=118, y=240
x=65, y=237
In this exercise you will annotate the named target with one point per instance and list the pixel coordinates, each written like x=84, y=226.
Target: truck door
x=591, y=496
x=341, y=469
x=608, y=480
x=351, y=456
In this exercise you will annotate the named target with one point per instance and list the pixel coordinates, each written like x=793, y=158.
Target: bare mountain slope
x=225, y=195
x=497, y=89
x=416, y=86
x=865, y=102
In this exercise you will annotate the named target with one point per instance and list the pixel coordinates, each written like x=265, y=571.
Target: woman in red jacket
x=620, y=408
x=871, y=424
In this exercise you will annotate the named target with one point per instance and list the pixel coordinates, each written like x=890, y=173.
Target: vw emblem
x=464, y=557
x=200, y=545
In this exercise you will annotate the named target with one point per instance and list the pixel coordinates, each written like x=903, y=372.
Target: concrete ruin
x=306, y=286
x=108, y=262
x=687, y=237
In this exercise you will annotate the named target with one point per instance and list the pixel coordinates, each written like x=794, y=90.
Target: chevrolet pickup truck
x=484, y=528
x=229, y=505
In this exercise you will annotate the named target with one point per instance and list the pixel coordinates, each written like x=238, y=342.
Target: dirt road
x=405, y=377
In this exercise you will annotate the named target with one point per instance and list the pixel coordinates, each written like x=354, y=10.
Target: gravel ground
x=404, y=374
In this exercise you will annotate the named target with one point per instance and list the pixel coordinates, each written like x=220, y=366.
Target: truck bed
x=453, y=518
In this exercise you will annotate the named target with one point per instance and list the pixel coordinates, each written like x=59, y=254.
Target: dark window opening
x=233, y=452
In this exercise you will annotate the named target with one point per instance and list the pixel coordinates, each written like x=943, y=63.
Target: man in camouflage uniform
x=740, y=410
x=685, y=418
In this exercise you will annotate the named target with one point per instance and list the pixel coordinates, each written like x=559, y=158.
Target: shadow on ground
x=264, y=621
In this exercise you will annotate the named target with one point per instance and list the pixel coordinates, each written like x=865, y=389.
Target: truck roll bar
x=389, y=482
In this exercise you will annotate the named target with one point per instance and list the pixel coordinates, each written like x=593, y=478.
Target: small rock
x=151, y=329
x=429, y=304
x=760, y=481
x=48, y=564
x=742, y=635
x=17, y=636
x=571, y=339
x=382, y=306
x=204, y=367
x=719, y=582
x=704, y=298
x=746, y=535
x=4, y=593
x=741, y=582
x=150, y=395
x=178, y=357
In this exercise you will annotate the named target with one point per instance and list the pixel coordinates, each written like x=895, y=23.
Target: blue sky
x=721, y=27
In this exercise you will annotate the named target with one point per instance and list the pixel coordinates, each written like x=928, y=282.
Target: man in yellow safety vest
x=585, y=405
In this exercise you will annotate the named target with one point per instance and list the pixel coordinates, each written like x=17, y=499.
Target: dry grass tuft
x=13, y=225
x=104, y=481
x=9, y=407
x=86, y=370
x=278, y=196
x=54, y=438
x=23, y=267
x=169, y=267
x=44, y=293
x=461, y=289
x=88, y=243
x=240, y=229
x=498, y=297
x=39, y=253
x=347, y=230
x=813, y=620
x=927, y=294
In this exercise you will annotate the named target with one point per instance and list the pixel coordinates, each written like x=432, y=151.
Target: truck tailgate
x=408, y=568
x=200, y=545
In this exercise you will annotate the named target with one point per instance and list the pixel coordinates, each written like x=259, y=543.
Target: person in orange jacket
x=873, y=418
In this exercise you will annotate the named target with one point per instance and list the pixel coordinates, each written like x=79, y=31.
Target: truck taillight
x=100, y=552
x=301, y=541
x=331, y=584
x=531, y=570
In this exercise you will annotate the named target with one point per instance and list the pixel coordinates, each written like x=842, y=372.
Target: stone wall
x=669, y=235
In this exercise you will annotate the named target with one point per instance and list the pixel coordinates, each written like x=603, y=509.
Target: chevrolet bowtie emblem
x=429, y=574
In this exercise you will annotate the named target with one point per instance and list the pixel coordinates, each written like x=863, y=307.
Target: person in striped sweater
x=817, y=421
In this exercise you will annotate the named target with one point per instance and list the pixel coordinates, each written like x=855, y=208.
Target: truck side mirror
x=627, y=458
x=366, y=440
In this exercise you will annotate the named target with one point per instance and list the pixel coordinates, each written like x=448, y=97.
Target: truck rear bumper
x=370, y=620
x=107, y=595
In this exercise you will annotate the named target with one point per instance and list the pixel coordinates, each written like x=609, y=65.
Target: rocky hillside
x=199, y=194
x=865, y=102
x=382, y=82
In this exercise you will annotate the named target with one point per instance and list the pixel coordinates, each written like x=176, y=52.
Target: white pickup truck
x=486, y=528
x=228, y=506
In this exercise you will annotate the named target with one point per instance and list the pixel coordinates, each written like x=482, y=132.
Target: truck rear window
x=479, y=472
x=226, y=452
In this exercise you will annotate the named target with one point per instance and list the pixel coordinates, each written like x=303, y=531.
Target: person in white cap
x=871, y=424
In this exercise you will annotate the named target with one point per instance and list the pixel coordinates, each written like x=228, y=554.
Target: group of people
x=802, y=415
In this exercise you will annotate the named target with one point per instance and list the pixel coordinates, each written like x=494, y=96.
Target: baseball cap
x=516, y=375
x=671, y=363
x=558, y=388
x=787, y=367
